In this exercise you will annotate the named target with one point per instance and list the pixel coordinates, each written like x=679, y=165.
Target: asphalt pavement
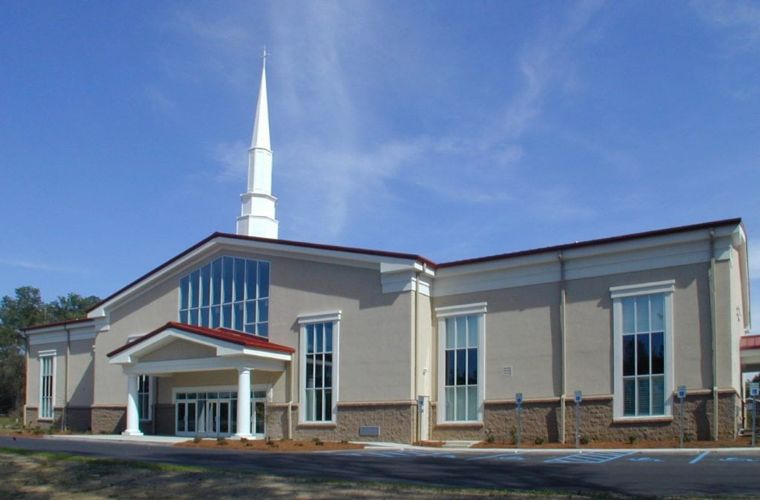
x=644, y=472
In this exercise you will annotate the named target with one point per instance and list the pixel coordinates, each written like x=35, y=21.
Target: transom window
x=644, y=355
x=319, y=372
x=47, y=384
x=230, y=292
x=461, y=370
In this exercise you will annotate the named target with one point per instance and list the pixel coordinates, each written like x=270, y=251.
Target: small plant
x=344, y=441
x=318, y=441
x=585, y=440
x=539, y=440
x=632, y=439
x=489, y=436
x=513, y=434
x=243, y=440
x=197, y=439
x=221, y=441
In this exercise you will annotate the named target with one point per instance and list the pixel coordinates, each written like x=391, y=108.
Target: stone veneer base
x=541, y=420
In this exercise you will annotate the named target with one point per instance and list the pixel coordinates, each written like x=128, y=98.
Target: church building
x=251, y=336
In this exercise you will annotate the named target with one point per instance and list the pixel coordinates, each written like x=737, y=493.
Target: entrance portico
x=177, y=348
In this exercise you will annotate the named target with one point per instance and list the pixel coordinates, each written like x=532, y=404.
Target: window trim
x=52, y=354
x=618, y=293
x=304, y=320
x=442, y=313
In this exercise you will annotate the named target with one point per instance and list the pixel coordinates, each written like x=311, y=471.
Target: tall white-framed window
x=461, y=365
x=643, y=350
x=319, y=356
x=145, y=397
x=47, y=385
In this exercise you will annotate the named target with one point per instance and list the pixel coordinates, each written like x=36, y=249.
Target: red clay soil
x=740, y=442
x=286, y=445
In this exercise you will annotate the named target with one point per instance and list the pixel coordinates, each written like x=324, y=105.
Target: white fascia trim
x=668, y=286
x=461, y=310
x=260, y=353
x=47, y=352
x=321, y=317
x=202, y=364
x=275, y=249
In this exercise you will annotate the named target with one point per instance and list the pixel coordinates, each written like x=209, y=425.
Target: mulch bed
x=286, y=445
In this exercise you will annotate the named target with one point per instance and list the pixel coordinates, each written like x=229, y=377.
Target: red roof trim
x=232, y=336
x=57, y=323
x=601, y=241
x=750, y=342
x=419, y=258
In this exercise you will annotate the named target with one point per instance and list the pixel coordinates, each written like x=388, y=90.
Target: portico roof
x=227, y=343
x=750, y=353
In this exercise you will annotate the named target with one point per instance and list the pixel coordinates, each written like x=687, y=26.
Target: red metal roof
x=750, y=342
x=58, y=323
x=225, y=334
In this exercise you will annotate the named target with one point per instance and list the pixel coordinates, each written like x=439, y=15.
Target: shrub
x=539, y=440
x=197, y=439
x=318, y=441
x=513, y=433
x=585, y=440
x=632, y=439
x=221, y=441
x=489, y=436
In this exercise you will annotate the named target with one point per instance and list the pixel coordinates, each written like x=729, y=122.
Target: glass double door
x=215, y=413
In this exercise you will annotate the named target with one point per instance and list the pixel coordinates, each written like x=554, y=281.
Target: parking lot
x=621, y=472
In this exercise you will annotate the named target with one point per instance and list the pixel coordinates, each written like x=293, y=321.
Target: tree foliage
x=24, y=310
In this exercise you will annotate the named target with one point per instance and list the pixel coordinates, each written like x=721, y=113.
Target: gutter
x=415, y=332
x=563, y=345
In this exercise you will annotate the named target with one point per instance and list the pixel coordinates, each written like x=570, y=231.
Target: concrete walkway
x=118, y=438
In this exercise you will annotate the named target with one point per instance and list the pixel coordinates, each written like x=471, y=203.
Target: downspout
x=64, y=416
x=26, y=375
x=290, y=419
x=714, y=329
x=563, y=346
x=415, y=332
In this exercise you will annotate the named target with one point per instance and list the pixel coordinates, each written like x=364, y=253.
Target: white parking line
x=699, y=457
x=589, y=458
x=492, y=457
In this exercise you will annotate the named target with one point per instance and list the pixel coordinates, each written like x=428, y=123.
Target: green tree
x=24, y=310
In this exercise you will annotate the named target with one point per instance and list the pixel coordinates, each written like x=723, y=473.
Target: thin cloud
x=741, y=18
x=36, y=266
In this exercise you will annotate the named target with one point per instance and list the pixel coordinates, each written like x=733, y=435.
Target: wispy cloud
x=741, y=17
x=36, y=266
x=328, y=113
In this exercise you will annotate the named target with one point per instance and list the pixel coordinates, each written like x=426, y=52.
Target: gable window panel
x=226, y=293
x=643, y=346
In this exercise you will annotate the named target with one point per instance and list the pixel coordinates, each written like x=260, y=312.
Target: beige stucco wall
x=522, y=331
x=80, y=376
x=180, y=349
x=375, y=328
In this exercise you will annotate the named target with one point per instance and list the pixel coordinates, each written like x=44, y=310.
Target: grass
x=10, y=423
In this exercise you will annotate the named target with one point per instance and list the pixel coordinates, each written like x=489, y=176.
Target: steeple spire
x=257, y=211
x=260, y=137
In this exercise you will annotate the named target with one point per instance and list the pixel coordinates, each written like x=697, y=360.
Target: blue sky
x=450, y=129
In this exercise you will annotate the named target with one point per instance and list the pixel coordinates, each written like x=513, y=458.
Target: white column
x=133, y=417
x=244, y=403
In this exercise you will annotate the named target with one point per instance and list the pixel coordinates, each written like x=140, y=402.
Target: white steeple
x=257, y=211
